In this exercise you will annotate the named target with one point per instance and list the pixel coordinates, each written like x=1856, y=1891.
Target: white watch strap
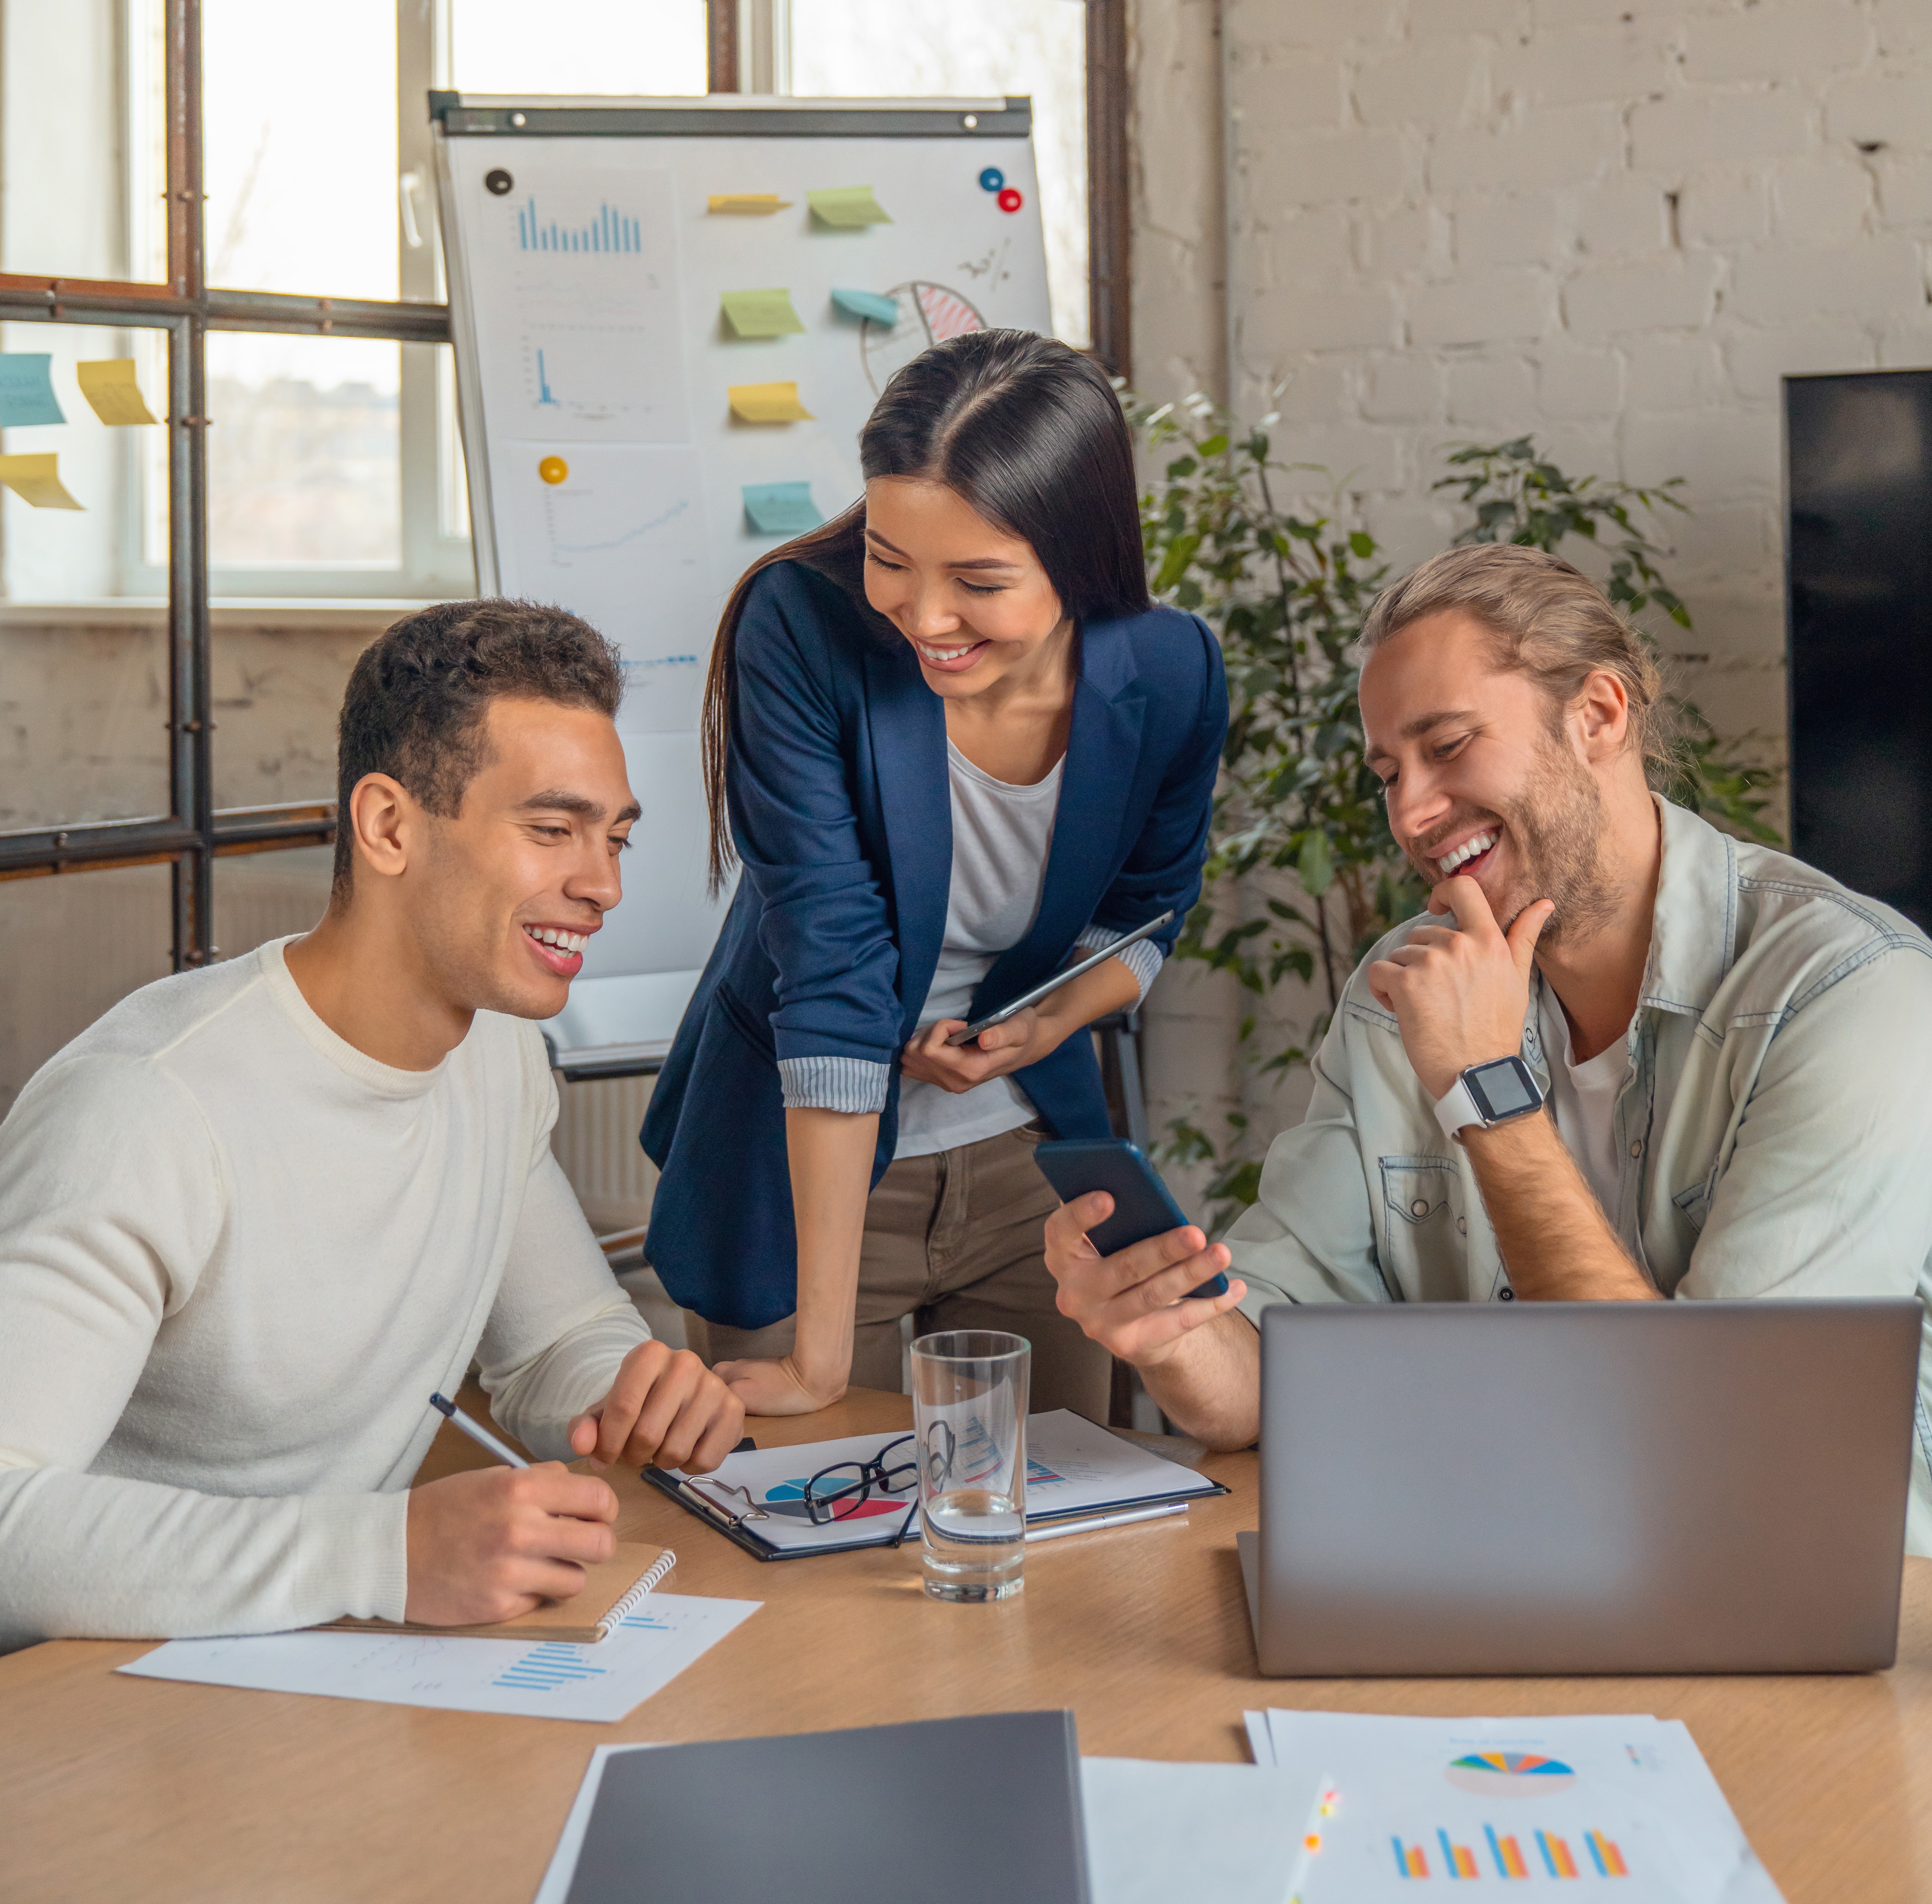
x=1456, y=1109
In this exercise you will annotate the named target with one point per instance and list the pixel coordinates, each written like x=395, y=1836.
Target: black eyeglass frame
x=846, y=1498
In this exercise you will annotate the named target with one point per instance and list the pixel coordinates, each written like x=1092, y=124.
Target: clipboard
x=710, y=1506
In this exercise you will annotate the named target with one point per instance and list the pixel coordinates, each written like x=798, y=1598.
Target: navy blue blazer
x=842, y=812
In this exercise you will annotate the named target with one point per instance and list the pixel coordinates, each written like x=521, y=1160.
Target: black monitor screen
x=1858, y=453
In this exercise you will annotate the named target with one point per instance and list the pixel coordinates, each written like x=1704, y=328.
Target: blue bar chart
x=610, y=230
x=545, y=1667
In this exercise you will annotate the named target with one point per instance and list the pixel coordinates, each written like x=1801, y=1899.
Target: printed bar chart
x=1459, y=1860
x=1508, y=1854
x=1409, y=1861
x=545, y=1667
x=1556, y=1857
x=1610, y=1860
x=609, y=231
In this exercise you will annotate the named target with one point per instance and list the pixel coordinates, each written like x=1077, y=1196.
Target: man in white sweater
x=251, y=1218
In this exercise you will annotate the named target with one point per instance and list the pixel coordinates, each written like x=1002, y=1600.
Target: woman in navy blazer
x=904, y=707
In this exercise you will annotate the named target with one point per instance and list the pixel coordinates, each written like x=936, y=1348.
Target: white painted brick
x=1689, y=131
x=1430, y=84
x=1905, y=343
x=1904, y=190
x=1319, y=391
x=1338, y=320
x=1411, y=528
x=1404, y=243
x=1581, y=449
x=1550, y=15
x=1497, y=394
x=1721, y=454
x=1877, y=277
x=1821, y=201
x=1720, y=545
x=1297, y=90
x=1482, y=307
x=1579, y=383
x=1672, y=374
x=1574, y=69
x=1776, y=43
x=1257, y=25
x=1303, y=249
x=1355, y=456
x=1675, y=293
x=1540, y=149
x=1715, y=208
x=1759, y=359
x=1895, y=108
x=1904, y=28
x=1621, y=216
x=1330, y=168
x=1404, y=389
x=1506, y=230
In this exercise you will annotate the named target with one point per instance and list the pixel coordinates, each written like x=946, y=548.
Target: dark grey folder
x=950, y=1811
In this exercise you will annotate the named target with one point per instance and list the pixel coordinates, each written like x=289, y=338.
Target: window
x=269, y=281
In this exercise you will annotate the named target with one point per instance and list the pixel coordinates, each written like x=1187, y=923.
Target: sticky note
x=880, y=309
x=759, y=313
x=36, y=479
x=781, y=509
x=27, y=389
x=108, y=384
x=847, y=207
x=769, y=403
x=746, y=205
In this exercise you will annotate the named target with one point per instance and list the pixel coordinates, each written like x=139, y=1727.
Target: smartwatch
x=1487, y=1095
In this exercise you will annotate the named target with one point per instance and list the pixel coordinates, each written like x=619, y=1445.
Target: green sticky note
x=869, y=304
x=759, y=313
x=847, y=207
x=781, y=509
x=27, y=389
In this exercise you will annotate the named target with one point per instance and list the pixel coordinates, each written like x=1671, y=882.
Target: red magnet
x=1010, y=200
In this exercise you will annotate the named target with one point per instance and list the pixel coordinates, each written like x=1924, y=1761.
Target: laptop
x=1582, y=1487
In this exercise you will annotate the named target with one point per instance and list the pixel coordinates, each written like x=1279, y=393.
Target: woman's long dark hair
x=1027, y=432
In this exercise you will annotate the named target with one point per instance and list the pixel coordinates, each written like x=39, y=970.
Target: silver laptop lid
x=1587, y=1487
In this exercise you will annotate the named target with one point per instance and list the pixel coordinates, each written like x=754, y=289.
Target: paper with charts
x=649, y=1649
x=1621, y=1806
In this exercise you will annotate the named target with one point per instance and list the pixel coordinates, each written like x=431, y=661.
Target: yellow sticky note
x=759, y=313
x=36, y=479
x=746, y=205
x=848, y=207
x=756, y=402
x=108, y=385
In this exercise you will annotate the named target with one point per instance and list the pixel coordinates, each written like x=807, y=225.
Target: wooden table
x=112, y=1788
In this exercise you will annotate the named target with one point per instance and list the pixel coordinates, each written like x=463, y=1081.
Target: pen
x=1108, y=1520
x=477, y=1432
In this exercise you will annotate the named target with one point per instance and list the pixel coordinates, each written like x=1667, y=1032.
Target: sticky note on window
x=781, y=509
x=847, y=207
x=746, y=205
x=36, y=479
x=769, y=403
x=108, y=386
x=27, y=390
x=881, y=310
x=759, y=313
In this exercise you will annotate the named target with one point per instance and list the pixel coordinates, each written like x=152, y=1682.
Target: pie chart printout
x=1510, y=1774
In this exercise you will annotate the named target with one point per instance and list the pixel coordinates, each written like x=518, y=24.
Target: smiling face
x=1483, y=778
x=507, y=892
x=973, y=602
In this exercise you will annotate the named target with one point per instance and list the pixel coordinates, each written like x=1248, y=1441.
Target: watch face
x=1505, y=1089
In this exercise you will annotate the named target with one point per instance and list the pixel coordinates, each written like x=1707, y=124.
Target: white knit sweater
x=236, y=1256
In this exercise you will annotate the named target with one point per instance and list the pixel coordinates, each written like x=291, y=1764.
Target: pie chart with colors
x=1510, y=1774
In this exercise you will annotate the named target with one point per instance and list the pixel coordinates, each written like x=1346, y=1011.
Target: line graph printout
x=617, y=535
x=648, y=1650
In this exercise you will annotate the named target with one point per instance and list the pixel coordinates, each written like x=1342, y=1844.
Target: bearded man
x=1623, y=1056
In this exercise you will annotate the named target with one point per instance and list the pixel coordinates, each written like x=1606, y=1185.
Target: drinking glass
x=969, y=1407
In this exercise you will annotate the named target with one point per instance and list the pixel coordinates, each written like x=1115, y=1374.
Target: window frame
x=194, y=833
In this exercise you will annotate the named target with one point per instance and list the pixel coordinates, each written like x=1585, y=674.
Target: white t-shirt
x=1001, y=836
x=1584, y=1097
x=237, y=1255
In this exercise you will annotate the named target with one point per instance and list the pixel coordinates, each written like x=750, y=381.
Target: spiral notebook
x=611, y=1590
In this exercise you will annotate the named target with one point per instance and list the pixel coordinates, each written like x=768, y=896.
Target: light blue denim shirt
x=1775, y=1131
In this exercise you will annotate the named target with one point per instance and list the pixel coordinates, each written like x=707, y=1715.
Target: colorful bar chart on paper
x=544, y=1667
x=1507, y=1854
x=1458, y=1860
x=1556, y=1858
x=1410, y=1861
x=609, y=231
x=1605, y=1855
x=1507, y=1862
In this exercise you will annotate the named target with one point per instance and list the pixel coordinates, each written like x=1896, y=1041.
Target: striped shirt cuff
x=1143, y=958
x=834, y=1083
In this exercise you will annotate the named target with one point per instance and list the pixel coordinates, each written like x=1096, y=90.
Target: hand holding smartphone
x=1142, y=1207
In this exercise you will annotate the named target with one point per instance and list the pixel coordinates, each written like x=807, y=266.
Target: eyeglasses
x=843, y=1488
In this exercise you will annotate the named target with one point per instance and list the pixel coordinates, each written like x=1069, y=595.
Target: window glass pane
x=304, y=461
x=49, y=993
x=259, y=896
x=299, y=112
x=857, y=49
x=653, y=46
x=277, y=691
x=81, y=165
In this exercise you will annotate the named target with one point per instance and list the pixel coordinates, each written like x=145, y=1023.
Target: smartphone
x=1142, y=1207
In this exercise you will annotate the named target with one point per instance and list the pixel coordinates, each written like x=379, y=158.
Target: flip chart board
x=622, y=276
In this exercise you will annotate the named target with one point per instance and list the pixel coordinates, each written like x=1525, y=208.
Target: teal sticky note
x=869, y=304
x=27, y=389
x=781, y=509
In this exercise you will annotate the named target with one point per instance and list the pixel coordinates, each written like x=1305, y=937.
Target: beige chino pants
x=953, y=1241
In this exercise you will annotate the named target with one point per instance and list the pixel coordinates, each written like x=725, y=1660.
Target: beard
x=1555, y=828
